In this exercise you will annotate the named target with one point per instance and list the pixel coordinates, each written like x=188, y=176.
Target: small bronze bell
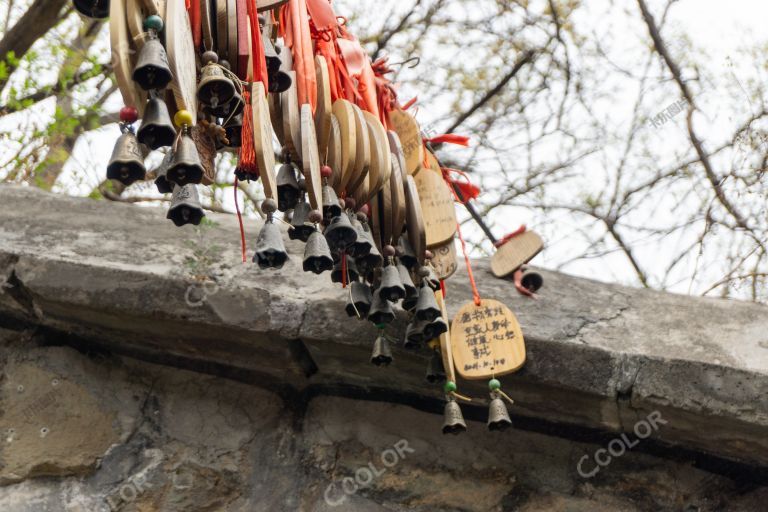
x=405, y=278
x=280, y=81
x=234, y=131
x=270, y=54
x=359, y=302
x=364, y=244
x=270, y=250
x=435, y=368
x=532, y=281
x=317, y=255
x=406, y=253
x=186, y=167
x=498, y=416
x=391, y=288
x=454, y=421
x=127, y=162
x=152, y=70
x=411, y=298
x=163, y=185
x=98, y=9
x=381, y=310
x=185, y=206
x=331, y=206
x=215, y=87
x=226, y=110
x=302, y=228
x=352, y=273
x=288, y=190
x=430, y=278
x=156, y=130
x=382, y=353
x=373, y=258
x=340, y=233
x=427, y=309
x=434, y=329
x=414, y=335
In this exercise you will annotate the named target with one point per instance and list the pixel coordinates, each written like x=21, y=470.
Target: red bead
x=350, y=203
x=129, y=114
x=365, y=209
x=326, y=172
x=389, y=251
x=428, y=255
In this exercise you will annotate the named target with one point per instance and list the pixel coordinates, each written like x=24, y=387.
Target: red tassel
x=247, y=161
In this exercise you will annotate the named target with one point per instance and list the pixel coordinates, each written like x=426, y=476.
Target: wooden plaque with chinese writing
x=515, y=253
x=362, y=161
x=444, y=259
x=407, y=129
x=342, y=110
x=334, y=153
x=311, y=160
x=437, y=207
x=324, y=106
x=262, y=140
x=414, y=221
x=289, y=101
x=486, y=340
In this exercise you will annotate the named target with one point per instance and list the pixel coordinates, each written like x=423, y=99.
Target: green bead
x=153, y=22
x=494, y=384
x=381, y=327
x=450, y=387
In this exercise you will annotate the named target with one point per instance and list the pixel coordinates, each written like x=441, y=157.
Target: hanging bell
x=215, y=87
x=373, y=258
x=97, y=9
x=406, y=253
x=288, y=190
x=152, y=70
x=414, y=335
x=382, y=353
x=454, y=421
x=226, y=110
x=391, y=287
x=270, y=250
x=280, y=81
x=381, y=310
x=434, y=329
x=317, y=255
x=163, y=185
x=498, y=416
x=234, y=131
x=364, y=244
x=271, y=56
x=331, y=206
x=405, y=278
x=435, y=368
x=185, y=206
x=156, y=130
x=352, y=273
x=430, y=277
x=186, y=167
x=532, y=281
x=302, y=227
x=427, y=309
x=359, y=302
x=340, y=233
x=127, y=162
x=411, y=298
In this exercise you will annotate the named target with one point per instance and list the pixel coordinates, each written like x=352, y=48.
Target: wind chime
x=357, y=182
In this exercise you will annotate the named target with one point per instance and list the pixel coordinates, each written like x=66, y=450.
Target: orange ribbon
x=294, y=27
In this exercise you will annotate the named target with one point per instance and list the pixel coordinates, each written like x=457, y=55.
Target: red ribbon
x=519, y=231
x=449, y=138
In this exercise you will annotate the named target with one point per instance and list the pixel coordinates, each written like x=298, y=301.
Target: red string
x=442, y=287
x=449, y=138
x=247, y=160
x=196, y=21
x=466, y=188
x=475, y=293
x=257, y=48
x=240, y=220
x=519, y=231
x=343, y=269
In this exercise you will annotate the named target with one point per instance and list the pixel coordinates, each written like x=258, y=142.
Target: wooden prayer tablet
x=445, y=341
x=276, y=115
x=181, y=57
x=432, y=161
x=122, y=53
x=232, y=56
x=361, y=195
x=398, y=199
x=363, y=154
x=266, y=5
x=334, y=153
x=437, y=207
x=375, y=222
x=289, y=102
x=406, y=127
x=262, y=140
x=374, y=170
x=222, y=30
x=486, y=341
x=345, y=115
x=311, y=160
x=209, y=30
x=414, y=220
x=244, y=36
x=324, y=107
x=383, y=159
x=515, y=253
x=444, y=259
x=136, y=13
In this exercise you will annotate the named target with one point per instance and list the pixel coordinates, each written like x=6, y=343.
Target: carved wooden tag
x=334, y=153
x=445, y=341
x=363, y=154
x=232, y=15
x=206, y=15
x=437, y=207
x=222, y=29
x=262, y=140
x=324, y=108
x=289, y=101
x=486, y=340
x=181, y=57
x=414, y=220
x=311, y=160
x=345, y=115
x=515, y=253
x=398, y=199
x=444, y=259
x=410, y=137
x=122, y=53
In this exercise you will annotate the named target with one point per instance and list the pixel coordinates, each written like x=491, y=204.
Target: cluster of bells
x=219, y=93
x=498, y=416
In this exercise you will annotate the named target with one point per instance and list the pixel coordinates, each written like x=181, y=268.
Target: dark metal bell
x=185, y=206
x=434, y=329
x=186, y=167
x=98, y=9
x=272, y=57
x=288, y=190
x=427, y=309
x=382, y=353
x=234, y=131
x=432, y=280
x=280, y=81
x=156, y=130
x=232, y=108
x=391, y=286
x=498, y=416
x=302, y=228
x=163, y=185
x=317, y=255
x=435, y=368
x=127, y=162
x=372, y=259
x=405, y=278
x=364, y=244
x=532, y=281
x=359, y=303
x=270, y=250
x=215, y=88
x=411, y=298
x=454, y=420
x=352, y=273
x=414, y=335
x=381, y=310
x=407, y=254
x=152, y=70
x=331, y=207
x=340, y=233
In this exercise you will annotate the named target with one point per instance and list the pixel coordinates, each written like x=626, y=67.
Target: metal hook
x=409, y=63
